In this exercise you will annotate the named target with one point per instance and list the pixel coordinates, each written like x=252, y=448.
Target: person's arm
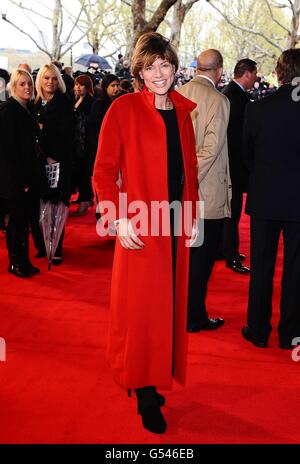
x=214, y=137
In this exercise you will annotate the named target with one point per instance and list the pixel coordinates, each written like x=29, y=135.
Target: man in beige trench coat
x=210, y=120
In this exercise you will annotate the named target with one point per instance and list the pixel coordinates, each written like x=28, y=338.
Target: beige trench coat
x=210, y=120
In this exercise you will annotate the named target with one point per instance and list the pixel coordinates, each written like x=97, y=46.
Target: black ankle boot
x=160, y=398
x=149, y=409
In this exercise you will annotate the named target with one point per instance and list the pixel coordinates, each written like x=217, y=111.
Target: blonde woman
x=19, y=173
x=55, y=117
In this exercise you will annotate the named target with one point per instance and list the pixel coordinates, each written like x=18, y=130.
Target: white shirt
x=206, y=77
x=240, y=85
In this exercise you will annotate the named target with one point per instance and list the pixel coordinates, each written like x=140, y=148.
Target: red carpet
x=55, y=386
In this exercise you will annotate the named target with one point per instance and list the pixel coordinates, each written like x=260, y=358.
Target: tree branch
x=274, y=19
x=27, y=35
x=19, y=5
x=245, y=29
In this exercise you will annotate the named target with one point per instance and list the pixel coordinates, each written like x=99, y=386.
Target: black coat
x=98, y=111
x=272, y=154
x=57, y=135
x=238, y=102
x=82, y=113
x=19, y=167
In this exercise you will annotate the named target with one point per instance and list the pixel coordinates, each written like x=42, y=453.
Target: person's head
x=83, y=85
x=210, y=64
x=288, y=65
x=125, y=85
x=110, y=86
x=48, y=81
x=126, y=64
x=58, y=64
x=26, y=67
x=245, y=72
x=154, y=62
x=21, y=86
x=68, y=70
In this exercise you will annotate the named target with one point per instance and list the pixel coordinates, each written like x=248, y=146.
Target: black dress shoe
x=18, y=270
x=242, y=257
x=237, y=266
x=211, y=324
x=56, y=261
x=248, y=335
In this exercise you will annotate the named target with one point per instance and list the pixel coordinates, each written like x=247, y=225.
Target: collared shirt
x=240, y=85
x=206, y=77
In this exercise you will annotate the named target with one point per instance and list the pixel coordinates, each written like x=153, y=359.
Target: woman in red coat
x=148, y=138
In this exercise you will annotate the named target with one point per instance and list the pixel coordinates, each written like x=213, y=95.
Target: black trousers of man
x=202, y=261
x=264, y=247
x=231, y=238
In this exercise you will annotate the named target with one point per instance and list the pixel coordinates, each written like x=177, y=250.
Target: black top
x=175, y=162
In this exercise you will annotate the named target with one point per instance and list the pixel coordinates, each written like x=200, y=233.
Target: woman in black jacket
x=55, y=117
x=19, y=170
x=109, y=91
x=82, y=163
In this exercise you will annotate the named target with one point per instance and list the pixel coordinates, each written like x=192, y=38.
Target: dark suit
x=238, y=172
x=272, y=154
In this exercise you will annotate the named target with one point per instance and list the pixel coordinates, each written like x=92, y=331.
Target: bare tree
x=289, y=35
x=56, y=17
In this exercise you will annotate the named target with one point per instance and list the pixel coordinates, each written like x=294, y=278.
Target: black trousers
x=202, y=261
x=17, y=232
x=230, y=236
x=264, y=246
x=82, y=179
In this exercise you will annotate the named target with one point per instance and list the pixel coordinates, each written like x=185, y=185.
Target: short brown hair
x=244, y=65
x=149, y=47
x=288, y=65
x=85, y=80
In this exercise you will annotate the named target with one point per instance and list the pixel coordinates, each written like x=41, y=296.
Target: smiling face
x=24, y=89
x=159, y=76
x=49, y=83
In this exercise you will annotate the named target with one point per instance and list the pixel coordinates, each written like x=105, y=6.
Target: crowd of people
x=153, y=133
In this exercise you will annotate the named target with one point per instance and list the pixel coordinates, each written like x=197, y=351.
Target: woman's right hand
x=50, y=160
x=127, y=235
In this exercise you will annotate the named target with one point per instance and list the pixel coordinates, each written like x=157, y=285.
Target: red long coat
x=141, y=341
